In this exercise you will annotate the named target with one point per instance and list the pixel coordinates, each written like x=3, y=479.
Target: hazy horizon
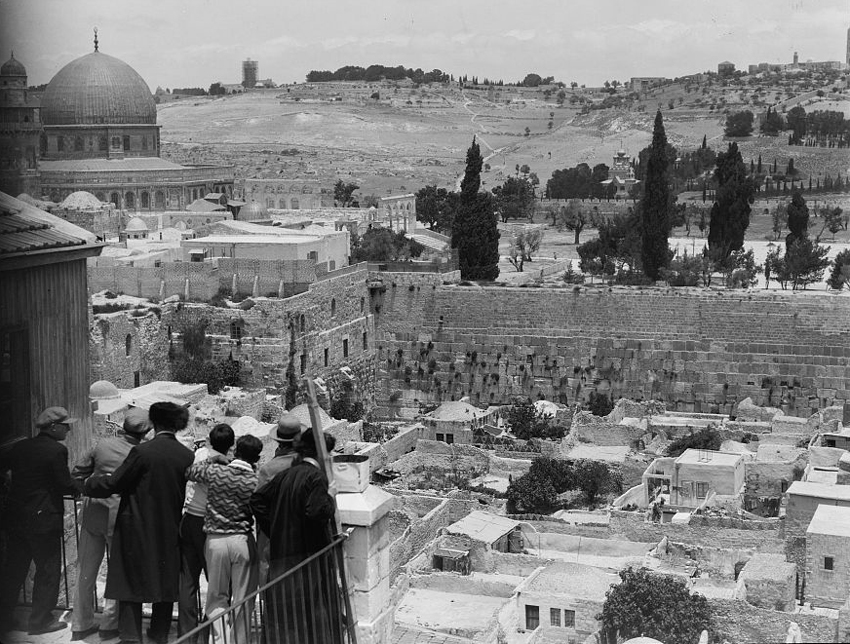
x=198, y=42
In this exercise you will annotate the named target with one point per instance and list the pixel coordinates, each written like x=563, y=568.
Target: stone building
x=456, y=422
x=622, y=175
x=19, y=132
x=828, y=557
x=398, y=213
x=770, y=581
x=96, y=130
x=288, y=195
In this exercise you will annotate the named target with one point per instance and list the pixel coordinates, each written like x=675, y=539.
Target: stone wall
x=122, y=345
x=724, y=533
x=738, y=621
x=696, y=349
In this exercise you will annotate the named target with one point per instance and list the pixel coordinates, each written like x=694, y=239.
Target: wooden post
x=319, y=437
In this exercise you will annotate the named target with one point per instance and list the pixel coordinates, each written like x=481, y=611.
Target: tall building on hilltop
x=97, y=131
x=19, y=131
x=847, y=60
x=250, y=73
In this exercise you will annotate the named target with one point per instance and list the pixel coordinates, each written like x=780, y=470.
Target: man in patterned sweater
x=230, y=551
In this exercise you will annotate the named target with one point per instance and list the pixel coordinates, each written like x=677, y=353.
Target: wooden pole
x=324, y=457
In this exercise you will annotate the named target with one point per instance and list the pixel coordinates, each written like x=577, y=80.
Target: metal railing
x=306, y=604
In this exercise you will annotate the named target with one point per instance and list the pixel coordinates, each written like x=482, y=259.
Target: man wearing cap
x=145, y=562
x=40, y=477
x=97, y=523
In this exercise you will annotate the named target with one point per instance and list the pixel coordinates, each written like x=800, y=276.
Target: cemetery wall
x=697, y=350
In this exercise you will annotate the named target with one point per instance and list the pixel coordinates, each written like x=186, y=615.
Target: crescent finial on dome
x=95, y=38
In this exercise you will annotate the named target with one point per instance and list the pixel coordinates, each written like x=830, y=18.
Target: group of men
x=165, y=515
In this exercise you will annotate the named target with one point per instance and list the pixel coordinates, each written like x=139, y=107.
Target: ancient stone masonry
x=128, y=349
x=696, y=350
x=327, y=331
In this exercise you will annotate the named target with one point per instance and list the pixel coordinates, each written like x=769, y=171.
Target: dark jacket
x=294, y=510
x=145, y=561
x=40, y=477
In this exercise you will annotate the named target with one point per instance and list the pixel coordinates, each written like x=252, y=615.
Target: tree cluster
x=526, y=422
x=739, y=124
x=645, y=604
x=374, y=73
x=523, y=244
x=192, y=363
x=436, y=208
x=580, y=182
x=615, y=252
x=706, y=438
x=537, y=490
x=515, y=198
x=384, y=245
x=344, y=194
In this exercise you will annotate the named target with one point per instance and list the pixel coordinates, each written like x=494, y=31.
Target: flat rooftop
x=574, y=580
x=256, y=240
x=832, y=520
x=708, y=457
x=820, y=491
x=483, y=526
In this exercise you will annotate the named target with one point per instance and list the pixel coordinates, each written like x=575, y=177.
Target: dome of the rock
x=97, y=89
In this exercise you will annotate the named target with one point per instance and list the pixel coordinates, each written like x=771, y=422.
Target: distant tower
x=250, y=73
x=796, y=59
x=20, y=132
x=848, y=47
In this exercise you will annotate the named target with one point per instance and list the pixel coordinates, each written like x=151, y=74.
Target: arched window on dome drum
x=159, y=200
x=78, y=144
x=128, y=344
x=115, y=198
x=130, y=200
x=126, y=139
x=146, y=200
x=101, y=143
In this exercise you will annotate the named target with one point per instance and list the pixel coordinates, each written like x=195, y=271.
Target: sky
x=193, y=43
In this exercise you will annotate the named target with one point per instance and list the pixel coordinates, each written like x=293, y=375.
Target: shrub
x=600, y=404
x=707, y=438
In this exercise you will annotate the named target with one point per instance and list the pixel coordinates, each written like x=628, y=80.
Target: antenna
x=95, y=38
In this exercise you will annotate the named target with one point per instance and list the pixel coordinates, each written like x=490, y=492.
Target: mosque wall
x=697, y=350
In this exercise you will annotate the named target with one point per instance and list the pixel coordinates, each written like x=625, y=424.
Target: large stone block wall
x=697, y=350
x=111, y=335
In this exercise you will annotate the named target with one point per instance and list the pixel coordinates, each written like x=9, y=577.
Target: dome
x=103, y=389
x=13, y=67
x=136, y=224
x=81, y=200
x=97, y=89
x=253, y=210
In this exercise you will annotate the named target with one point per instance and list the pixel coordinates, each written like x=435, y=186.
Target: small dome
x=97, y=89
x=253, y=210
x=136, y=224
x=103, y=389
x=81, y=200
x=13, y=67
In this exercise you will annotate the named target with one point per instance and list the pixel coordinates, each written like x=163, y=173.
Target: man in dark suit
x=145, y=562
x=34, y=518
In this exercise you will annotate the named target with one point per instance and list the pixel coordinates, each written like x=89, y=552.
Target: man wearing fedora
x=97, y=523
x=40, y=477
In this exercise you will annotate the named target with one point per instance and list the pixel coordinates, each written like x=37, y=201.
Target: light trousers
x=95, y=540
x=232, y=575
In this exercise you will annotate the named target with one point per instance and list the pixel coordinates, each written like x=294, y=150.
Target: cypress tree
x=655, y=205
x=730, y=214
x=704, y=142
x=474, y=232
x=758, y=166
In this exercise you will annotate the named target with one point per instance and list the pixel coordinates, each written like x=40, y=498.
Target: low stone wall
x=456, y=583
x=402, y=443
x=738, y=621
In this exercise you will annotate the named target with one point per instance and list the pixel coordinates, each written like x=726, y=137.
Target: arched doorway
x=115, y=198
x=146, y=200
x=159, y=200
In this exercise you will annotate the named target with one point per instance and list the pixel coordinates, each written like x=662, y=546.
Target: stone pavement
x=63, y=636
x=407, y=635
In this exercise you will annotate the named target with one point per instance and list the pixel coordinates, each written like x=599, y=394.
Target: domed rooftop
x=103, y=389
x=81, y=200
x=97, y=89
x=13, y=67
x=136, y=224
x=253, y=210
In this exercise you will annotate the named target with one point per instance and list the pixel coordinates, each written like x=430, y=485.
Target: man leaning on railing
x=295, y=511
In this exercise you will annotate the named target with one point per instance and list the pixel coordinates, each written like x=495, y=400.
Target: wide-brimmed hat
x=54, y=416
x=288, y=428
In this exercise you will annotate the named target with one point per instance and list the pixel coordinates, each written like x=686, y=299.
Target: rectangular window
x=532, y=617
x=450, y=438
x=303, y=363
x=365, y=341
x=126, y=140
x=441, y=437
x=345, y=348
x=569, y=618
x=326, y=357
x=554, y=617
x=701, y=489
x=829, y=563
